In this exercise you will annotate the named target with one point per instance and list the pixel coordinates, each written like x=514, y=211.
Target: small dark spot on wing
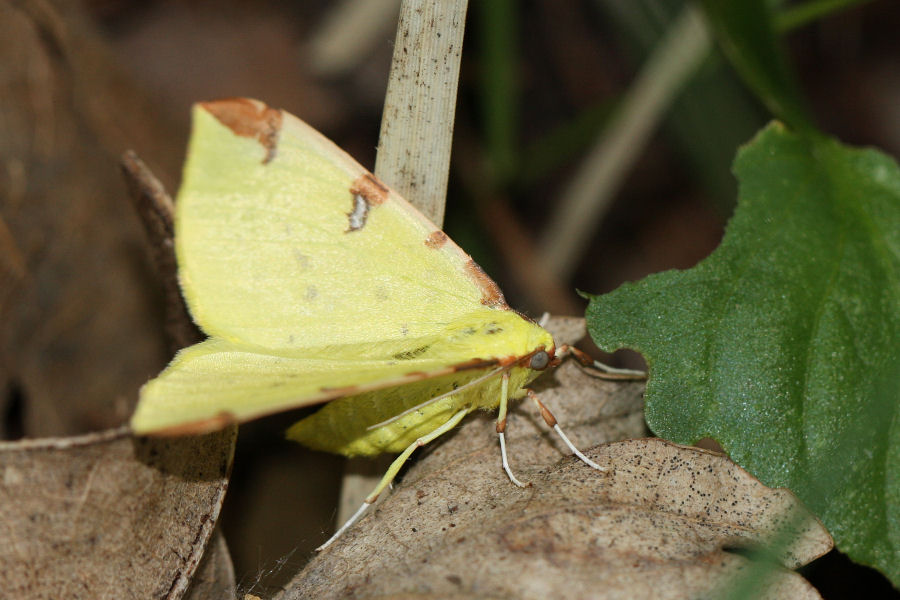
x=410, y=354
x=303, y=261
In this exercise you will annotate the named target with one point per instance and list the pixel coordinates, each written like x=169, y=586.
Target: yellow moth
x=316, y=283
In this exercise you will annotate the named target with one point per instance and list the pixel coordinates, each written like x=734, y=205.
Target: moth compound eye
x=539, y=361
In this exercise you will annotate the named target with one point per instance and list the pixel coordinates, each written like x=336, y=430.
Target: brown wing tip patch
x=214, y=423
x=367, y=191
x=490, y=291
x=436, y=239
x=249, y=118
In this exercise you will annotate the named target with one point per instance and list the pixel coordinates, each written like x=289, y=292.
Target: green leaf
x=746, y=33
x=784, y=344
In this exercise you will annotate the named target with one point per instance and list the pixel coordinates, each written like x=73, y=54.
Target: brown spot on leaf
x=249, y=118
x=490, y=291
x=367, y=192
x=436, y=239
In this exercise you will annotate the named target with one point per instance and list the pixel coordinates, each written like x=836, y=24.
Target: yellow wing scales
x=266, y=249
x=348, y=420
x=314, y=282
x=217, y=381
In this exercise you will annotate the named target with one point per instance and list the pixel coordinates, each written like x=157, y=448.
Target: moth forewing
x=317, y=283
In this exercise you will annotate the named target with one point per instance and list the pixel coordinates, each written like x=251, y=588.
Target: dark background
x=81, y=305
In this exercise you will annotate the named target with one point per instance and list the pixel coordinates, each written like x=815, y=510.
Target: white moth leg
x=501, y=427
x=505, y=460
x=392, y=471
x=345, y=526
x=606, y=371
x=553, y=424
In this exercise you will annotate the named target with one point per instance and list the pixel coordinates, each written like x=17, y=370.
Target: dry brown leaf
x=80, y=328
x=654, y=526
x=108, y=516
x=214, y=578
x=100, y=515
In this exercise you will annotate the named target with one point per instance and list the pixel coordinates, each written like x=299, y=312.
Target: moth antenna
x=616, y=373
x=553, y=424
x=430, y=401
x=606, y=371
x=392, y=471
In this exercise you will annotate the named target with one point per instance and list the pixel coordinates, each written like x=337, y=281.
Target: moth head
x=540, y=360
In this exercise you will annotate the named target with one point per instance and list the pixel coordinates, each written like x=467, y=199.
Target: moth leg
x=392, y=471
x=606, y=371
x=553, y=424
x=501, y=427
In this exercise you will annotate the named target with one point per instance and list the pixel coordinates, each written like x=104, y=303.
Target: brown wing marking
x=490, y=291
x=249, y=118
x=505, y=361
x=215, y=423
x=417, y=375
x=475, y=363
x=436, y=239
x=367, y=191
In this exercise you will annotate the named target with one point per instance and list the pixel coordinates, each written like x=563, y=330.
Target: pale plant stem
x=414, y=147
x=417, y=123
